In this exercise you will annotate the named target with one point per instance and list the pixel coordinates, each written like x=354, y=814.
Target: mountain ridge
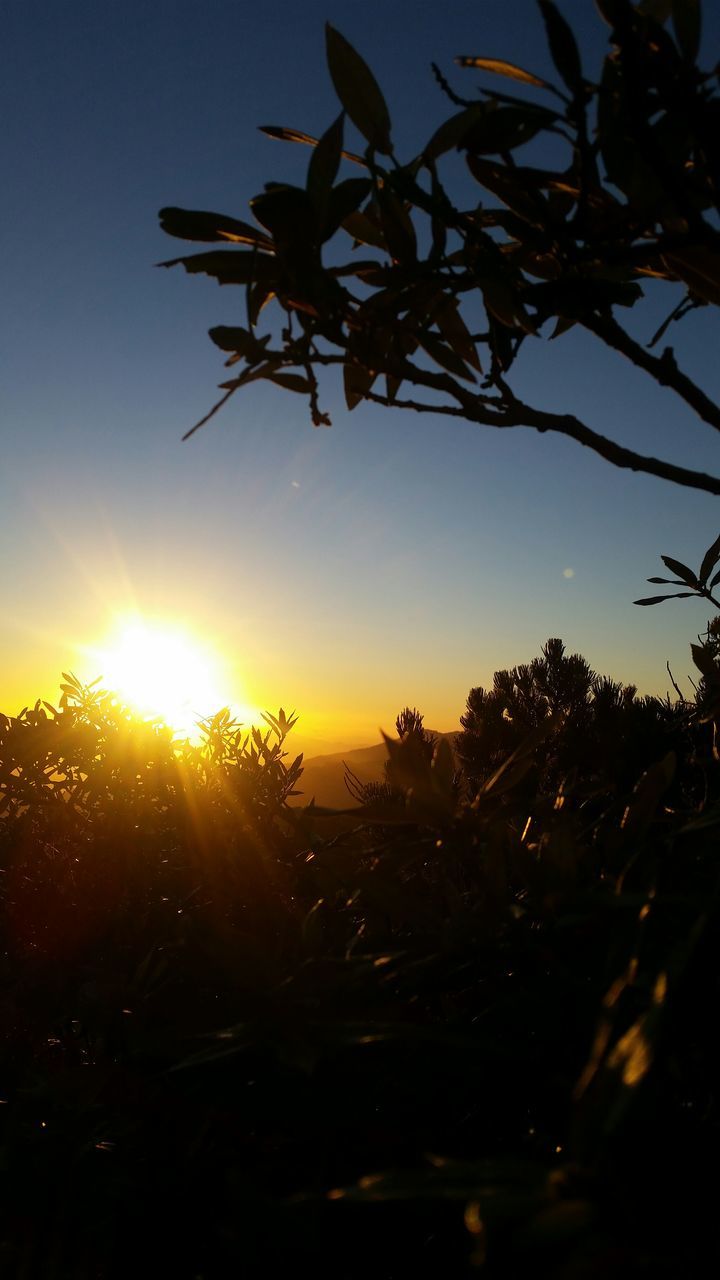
x=323, y=776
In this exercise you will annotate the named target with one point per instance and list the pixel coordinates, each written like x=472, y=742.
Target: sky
x=390, y=560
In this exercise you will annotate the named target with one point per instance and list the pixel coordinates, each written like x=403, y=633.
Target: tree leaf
x=283, y=134
x=456, y=333
x=451, y=132
x=503, y=303
x=258, y=297
x=397, y=226
x=234, y=338
x=714, y=580
x=699, y=269
x=324, y=164
x=292, y=382
x=358, y=91
x=363, y=228
x=501, y=68
x=680, y=570
x=679, y=595
x=563, y=324
x=357, y=379
x=514, y=187
x=686, y=17
x=704, y=660
x=288, y=214
x=710, y=559
x=563, y=49
x=444, y=356
x=343, y=201
x=192, y=224
x=667, y=582
x=228, y=266
x=505, y=129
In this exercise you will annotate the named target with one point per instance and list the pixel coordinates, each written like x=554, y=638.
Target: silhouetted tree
x=446, y=294
x=605, y=734
x=410, y=731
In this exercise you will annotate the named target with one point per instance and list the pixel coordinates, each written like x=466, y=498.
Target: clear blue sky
x=345, y=572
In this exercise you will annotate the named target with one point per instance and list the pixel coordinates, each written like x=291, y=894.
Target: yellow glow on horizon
x=161, y=669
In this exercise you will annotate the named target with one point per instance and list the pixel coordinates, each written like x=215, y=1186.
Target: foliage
x=701, y=584
x=589, y=188
x=605, y=733
x=411, y=732
x=461, y=1028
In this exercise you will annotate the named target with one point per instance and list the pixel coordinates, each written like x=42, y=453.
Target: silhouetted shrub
x=454, y=1026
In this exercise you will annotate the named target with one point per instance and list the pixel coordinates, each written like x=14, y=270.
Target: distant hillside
x=323, y=777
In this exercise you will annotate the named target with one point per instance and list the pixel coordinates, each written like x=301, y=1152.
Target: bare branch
x=522, y=415
x=215, y=409
x=662, y=368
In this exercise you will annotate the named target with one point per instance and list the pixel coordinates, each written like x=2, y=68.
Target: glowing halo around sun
x=161, y=670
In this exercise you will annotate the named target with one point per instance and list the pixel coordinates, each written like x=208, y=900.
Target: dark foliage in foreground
x=423, y=1038
x=606, y=734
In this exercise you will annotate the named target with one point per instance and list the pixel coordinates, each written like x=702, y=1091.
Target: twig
x=662, y=368
x=449, y=93
x=211, y=414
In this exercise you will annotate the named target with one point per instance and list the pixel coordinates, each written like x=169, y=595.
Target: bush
x=461, y=1026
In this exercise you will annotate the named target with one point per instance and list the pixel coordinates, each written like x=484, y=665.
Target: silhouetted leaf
x=699, y=268
x=258, y=297
x=357, y=381
x=452, y=132
x=229, y=266
x=501, y=68
x=513, y=187
x=397, y=226
x=710, y=559
x=288, y=214
x=563, y=47
x=677, y=567
x=364, y=229
x=564, y=323
x=704, y=659
x=358, y=91
x=324, y=164
x=444, y=356
x=189, y=224
x=235, y=338
x=292, y=382
x=343, y=201
x=503, y=303
x=504, y=129
x=456, y=333
x=283, y=134
x=679, y=595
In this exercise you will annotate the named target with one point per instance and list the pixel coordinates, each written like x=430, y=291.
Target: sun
x=163, y=670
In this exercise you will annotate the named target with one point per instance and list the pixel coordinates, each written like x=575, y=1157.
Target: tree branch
x=502, y=412
x=662, y=368
x=216, y=407
x=522, y=415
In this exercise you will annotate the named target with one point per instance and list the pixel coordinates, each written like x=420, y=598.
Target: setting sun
x=162, y=670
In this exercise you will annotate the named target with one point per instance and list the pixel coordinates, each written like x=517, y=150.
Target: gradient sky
x=390, y=560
